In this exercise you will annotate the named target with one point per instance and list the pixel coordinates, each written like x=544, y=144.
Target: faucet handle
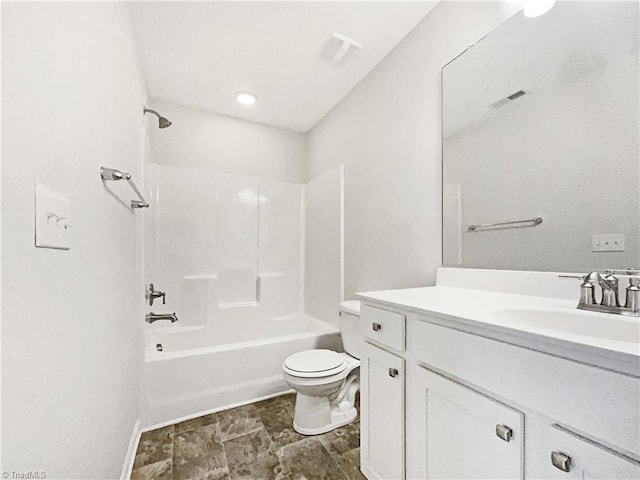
x=633, y=294
x=151, y=294
x=587, y=293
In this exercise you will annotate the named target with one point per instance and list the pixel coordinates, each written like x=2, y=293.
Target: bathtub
x=200, y=370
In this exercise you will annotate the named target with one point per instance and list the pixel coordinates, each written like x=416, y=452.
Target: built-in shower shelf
x=224, y=306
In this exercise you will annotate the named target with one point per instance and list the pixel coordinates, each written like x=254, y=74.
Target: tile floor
x=256, y=441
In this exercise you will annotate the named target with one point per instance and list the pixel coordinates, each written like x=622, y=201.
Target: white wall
x=204, y=139
x=386, y=132
x=72, y=97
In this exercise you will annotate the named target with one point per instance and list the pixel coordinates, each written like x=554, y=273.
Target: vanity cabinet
x=462, y=433
x=382, y=379
x=553, y=449
x=446, y=400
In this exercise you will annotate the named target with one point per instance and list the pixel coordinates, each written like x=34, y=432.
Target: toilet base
x=315, y=415
x=320, y=414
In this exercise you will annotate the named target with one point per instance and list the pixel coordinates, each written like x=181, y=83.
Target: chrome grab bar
x=109, y=174
x=535, y=221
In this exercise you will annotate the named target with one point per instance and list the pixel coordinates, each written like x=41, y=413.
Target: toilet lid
x=315, y=363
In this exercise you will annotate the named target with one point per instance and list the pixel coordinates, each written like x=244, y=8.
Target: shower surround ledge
x=535, y=385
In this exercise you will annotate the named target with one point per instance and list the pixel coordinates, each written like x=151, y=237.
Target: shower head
x=162, y=121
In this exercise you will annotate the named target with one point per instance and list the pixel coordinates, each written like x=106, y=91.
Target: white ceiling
x=199, y=54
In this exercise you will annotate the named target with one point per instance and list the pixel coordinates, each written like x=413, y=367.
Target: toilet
x=326, y=382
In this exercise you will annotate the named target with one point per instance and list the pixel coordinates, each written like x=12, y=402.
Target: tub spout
x=154, y=317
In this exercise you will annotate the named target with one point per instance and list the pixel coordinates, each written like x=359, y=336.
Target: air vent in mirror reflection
x=508, y=99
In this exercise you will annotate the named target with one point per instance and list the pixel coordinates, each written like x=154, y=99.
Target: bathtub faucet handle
x=151, y=294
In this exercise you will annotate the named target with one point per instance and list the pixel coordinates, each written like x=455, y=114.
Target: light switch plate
x=607, y=242
x=52, y=222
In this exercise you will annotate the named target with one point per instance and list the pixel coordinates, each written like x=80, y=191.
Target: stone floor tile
x=202, y=421
x=279, y=424
x=308, y=459
x=253, y=456
x=237, y=422
x=154, y=446
x=287, y=401
x=154, y=471
x=349, y=463
x=341, y=440
x=198, y=456
x=253, y=441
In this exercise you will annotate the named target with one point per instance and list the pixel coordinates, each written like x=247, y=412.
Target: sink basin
x=604, y=326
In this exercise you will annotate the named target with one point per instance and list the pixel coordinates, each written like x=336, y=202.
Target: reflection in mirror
x=540, y=120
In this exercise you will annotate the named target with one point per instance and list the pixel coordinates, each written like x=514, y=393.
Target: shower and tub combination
x=226, y=254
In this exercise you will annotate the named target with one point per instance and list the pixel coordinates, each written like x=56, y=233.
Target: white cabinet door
x=382, y=420
x=557, y=453
x=452, y=431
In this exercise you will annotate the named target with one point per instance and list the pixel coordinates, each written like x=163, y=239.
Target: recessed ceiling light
x=535, y=8
x=246, y=98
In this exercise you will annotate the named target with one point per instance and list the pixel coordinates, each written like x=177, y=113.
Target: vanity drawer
x=564, y=390
x=559, y=453
x=383, y=326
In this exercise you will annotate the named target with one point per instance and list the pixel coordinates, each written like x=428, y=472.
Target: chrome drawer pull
x=504, y=433
x=376, y=327
x=561, y=461
x=393, y=372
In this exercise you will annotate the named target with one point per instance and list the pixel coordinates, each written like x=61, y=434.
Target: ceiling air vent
x=508, y=99
x=339, y=48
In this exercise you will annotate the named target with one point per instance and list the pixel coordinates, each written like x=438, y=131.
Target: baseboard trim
x=368, y=473
x=127, y=467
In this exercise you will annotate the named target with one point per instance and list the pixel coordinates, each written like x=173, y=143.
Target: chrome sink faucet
x=610, y=302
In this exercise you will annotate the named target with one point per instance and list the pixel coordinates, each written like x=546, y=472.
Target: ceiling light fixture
x=246, y=98
x=535, y=8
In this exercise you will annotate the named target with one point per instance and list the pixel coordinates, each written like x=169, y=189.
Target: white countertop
x=609, y=341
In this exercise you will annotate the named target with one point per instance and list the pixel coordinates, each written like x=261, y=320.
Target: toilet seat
x=314, y=363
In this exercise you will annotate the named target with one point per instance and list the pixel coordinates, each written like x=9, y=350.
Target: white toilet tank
x=350, y=327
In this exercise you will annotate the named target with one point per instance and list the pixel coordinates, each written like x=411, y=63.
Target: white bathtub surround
x=204, y=369
x=224, y=246
x=229, y=252
x=324, y=245
x=539, y=386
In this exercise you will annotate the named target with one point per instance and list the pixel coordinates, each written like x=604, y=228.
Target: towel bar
x=109, y=174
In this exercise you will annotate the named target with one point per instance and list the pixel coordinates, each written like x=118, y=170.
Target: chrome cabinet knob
x=561, y=461
x=376, y=327
x=504, y=433
x=393, y=372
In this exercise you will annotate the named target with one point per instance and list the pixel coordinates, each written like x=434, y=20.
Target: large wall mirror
x=541, y=127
